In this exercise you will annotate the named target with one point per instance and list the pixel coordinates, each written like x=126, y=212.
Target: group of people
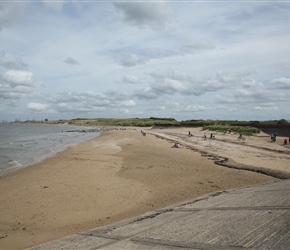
x=211, y=137
x=285, y=142
x=241, y=137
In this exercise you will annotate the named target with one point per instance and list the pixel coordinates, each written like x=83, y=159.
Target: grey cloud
x=88, y=102
x=159, y=53
x=225, y=99
x=130, y=79
x=154, y=14
x=195, y=46
x=250, y=83
x=146, y=94
x=226, y=78
x=266, y=106
x=131, y=60
x=238, y=79
x=173, y=82
x=70, y=60
x=170, y=87
x=170, y=73
x=281, y=83
x=9, y=62
x=56, y=5
x=282, y=66
x=138, y=57
x=249, y=98
x=199, y=86
x=10, y=12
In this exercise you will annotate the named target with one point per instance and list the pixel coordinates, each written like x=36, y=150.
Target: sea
x=22, y=144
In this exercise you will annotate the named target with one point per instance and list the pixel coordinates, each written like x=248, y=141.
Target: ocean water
x=22, y=145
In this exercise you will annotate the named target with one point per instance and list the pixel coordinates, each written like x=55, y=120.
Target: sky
x=67, y=59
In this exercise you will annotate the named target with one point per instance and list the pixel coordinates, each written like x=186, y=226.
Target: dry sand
x=122, y=174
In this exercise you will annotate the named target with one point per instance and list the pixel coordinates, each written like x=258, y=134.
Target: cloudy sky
x=182, y=59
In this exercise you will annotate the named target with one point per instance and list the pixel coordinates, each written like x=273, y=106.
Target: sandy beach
x=122, y=174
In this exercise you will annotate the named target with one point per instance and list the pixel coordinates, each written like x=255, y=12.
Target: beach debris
x=3, y=236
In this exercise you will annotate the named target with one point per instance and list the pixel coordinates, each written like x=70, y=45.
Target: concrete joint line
x=193, y=245
x=103, y=236
x=233, y=208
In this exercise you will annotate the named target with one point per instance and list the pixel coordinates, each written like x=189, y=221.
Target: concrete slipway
x=251, y=218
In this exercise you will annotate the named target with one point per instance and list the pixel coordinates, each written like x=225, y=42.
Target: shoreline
x=41, y=144
x=118, y=175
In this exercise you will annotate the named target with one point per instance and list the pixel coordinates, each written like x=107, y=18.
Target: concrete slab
x=251, y=218
x=247, y=197
x=75, y=242
x=228, y=228
x=145, y=245
x=135, y=226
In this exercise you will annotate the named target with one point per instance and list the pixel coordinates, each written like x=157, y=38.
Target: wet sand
x=122, y=174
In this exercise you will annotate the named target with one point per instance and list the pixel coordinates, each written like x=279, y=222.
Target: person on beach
x=285, y=141
x=273, y=137
x=176, y=145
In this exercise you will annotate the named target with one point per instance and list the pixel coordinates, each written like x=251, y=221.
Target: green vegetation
x=244, y=127
x=133, y=122
x=245, y=130
x=234, y=123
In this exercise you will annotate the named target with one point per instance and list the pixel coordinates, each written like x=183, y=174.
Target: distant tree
x=283, y=121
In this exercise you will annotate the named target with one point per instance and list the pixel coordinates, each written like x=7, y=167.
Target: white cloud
x=195, y=108
x=18, y=77
x=39, y=107
x=128, y=103
x=14, y=85
x=130, y=79
x=206, y=60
